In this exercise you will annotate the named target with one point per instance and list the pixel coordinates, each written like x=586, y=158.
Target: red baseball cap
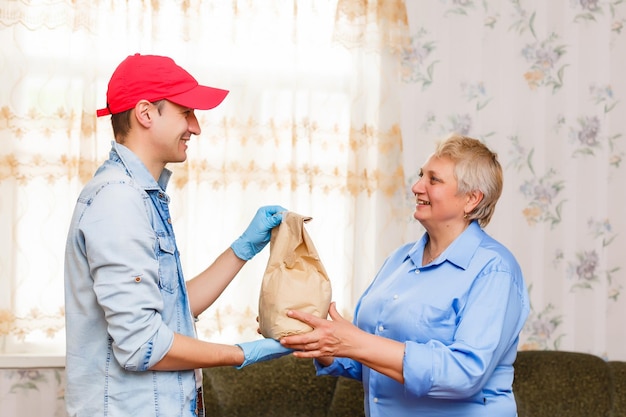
x=153, y=78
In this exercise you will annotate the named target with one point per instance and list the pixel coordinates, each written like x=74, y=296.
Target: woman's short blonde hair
x=476, y=167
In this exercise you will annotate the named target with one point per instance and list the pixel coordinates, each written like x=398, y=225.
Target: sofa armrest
x=558, y=383
x=618, y=374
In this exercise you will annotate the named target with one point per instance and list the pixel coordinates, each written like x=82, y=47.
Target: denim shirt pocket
x=168, y=266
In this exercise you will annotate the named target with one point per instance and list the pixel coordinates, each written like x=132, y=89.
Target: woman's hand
x=338, y=337
x=327, y=339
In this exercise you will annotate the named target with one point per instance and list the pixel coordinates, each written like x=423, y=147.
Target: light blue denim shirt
x=459, y=318
x=125, y=297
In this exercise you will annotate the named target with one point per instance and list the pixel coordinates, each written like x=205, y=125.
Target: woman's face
x=437, y=200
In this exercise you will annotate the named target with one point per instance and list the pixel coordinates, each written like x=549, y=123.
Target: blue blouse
x=459, y=317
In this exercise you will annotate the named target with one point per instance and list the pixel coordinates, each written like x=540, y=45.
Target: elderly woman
x=436, y=332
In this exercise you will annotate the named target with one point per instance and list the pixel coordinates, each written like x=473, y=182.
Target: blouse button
x=375, y=399
x=381, y=328
x=417, y=271
x=395, y=296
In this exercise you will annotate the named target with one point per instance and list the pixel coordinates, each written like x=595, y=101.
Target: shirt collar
x=460, y=251
x=137, y=170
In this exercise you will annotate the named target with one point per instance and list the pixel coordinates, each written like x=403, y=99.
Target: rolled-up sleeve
x=120, y=246
x=488, y=326
x=340, y=367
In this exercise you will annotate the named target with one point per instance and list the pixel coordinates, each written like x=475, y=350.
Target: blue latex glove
x=261, y=350
x=258, y=233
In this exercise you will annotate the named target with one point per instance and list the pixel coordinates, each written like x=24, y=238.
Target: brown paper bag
x=294, y=279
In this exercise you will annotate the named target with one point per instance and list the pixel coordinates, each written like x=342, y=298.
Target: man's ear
x=142, y=113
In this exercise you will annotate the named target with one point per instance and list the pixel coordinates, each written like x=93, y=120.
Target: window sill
x=30, y=355
x=31, y=360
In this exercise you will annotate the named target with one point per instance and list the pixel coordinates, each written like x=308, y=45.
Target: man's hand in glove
x=261, y=350
x=258, y=233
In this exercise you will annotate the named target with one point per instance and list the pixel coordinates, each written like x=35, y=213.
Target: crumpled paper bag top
x=294, y=279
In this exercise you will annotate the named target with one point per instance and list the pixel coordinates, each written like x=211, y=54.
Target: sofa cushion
x=347, y=399
x=562, y=384
x=284, y=387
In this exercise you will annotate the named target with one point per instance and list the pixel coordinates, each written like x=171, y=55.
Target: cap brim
x=200, y=98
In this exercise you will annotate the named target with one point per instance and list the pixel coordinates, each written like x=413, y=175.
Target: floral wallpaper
x=32, y=392
x=540, y=83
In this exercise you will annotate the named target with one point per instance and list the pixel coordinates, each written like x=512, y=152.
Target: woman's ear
x=142, y=113
x=473, y=198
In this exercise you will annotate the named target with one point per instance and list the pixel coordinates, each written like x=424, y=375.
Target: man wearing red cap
x=131, y=343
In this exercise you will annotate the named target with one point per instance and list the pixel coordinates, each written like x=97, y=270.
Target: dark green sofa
x=547, y=384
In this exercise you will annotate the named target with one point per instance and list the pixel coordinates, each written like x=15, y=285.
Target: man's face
x=173, y=126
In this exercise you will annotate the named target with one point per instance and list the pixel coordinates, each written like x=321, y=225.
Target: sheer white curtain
x=48, y=149
x=311, y=123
